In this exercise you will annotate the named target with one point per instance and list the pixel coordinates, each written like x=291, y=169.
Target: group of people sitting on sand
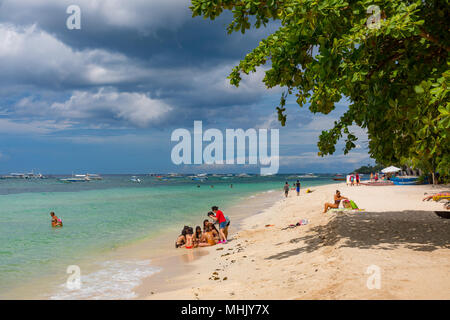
x=207, y=237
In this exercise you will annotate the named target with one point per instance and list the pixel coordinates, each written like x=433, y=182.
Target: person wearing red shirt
x=220, y=218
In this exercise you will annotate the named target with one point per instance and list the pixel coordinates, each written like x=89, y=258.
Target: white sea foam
x=115, y=280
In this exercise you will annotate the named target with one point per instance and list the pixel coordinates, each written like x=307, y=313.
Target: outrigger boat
x=135, y=179
x=76, y=178
x=339, y=177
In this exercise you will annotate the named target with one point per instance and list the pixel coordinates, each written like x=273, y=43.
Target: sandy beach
x=397, y=239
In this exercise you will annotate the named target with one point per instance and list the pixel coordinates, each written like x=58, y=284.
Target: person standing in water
x=297, y=187
x=56, y=222
x=286, y=189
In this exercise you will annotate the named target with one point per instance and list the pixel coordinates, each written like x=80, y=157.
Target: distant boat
x=199, y=177
x=92, y=176
x=308, y=175
x=405, y=180
x=76, y=178
x=135, y=179
x=243, y=175
x=339, y=177
x=30, y=175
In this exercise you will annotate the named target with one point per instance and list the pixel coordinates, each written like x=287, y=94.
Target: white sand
x=398, y=234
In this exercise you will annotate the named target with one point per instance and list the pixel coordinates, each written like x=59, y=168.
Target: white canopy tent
x=391, y=169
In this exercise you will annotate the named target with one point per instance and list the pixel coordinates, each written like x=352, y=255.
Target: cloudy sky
x=106, y=98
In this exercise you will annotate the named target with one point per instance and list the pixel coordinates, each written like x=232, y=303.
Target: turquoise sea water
x=100, y=216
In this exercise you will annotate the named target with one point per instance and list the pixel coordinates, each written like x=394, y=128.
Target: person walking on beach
x=220, y=218
x=297, y=187
x=357, y=179
x=286, y=189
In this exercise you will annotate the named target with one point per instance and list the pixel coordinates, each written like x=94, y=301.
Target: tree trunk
x=434, y=178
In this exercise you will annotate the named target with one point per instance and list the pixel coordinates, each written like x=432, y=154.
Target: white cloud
x=135, y=108
x=9, y=126
x=31, y=55
x=143, y=15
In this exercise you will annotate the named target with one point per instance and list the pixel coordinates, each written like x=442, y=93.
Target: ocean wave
x=115, y=280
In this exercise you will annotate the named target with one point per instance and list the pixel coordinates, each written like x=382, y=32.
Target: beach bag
x=346, y=204
x=353, y=204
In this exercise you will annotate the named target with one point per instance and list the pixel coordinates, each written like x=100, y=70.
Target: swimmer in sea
x=56, y=222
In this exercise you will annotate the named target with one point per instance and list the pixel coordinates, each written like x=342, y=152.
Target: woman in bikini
x=208, y=238
x=197, y=236
x=189, y=238
x=181, y=240
x=337, y=199
x=56, y=222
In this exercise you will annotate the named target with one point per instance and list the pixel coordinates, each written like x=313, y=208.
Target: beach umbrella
x=391, y=169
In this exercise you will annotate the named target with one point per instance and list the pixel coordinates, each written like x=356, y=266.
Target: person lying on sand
x=56, y=222
x=208, y=238
x=337, y=199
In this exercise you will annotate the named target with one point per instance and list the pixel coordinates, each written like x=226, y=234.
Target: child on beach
x=286, y=189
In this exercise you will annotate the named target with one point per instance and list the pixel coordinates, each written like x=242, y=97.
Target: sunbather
x=337, y=200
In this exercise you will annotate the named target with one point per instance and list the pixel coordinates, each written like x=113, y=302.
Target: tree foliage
x=369, y=169
x=395, y=75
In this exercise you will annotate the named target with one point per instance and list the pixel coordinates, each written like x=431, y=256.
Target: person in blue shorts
x=297, y=187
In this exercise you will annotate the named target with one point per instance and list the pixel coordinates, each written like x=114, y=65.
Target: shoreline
x=330, y=256
x=156, y=251
x=180, y=261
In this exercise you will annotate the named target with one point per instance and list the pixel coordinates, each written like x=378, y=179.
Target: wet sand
x=396, y=249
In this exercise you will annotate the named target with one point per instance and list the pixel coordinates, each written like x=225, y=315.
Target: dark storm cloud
x=150, y=50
